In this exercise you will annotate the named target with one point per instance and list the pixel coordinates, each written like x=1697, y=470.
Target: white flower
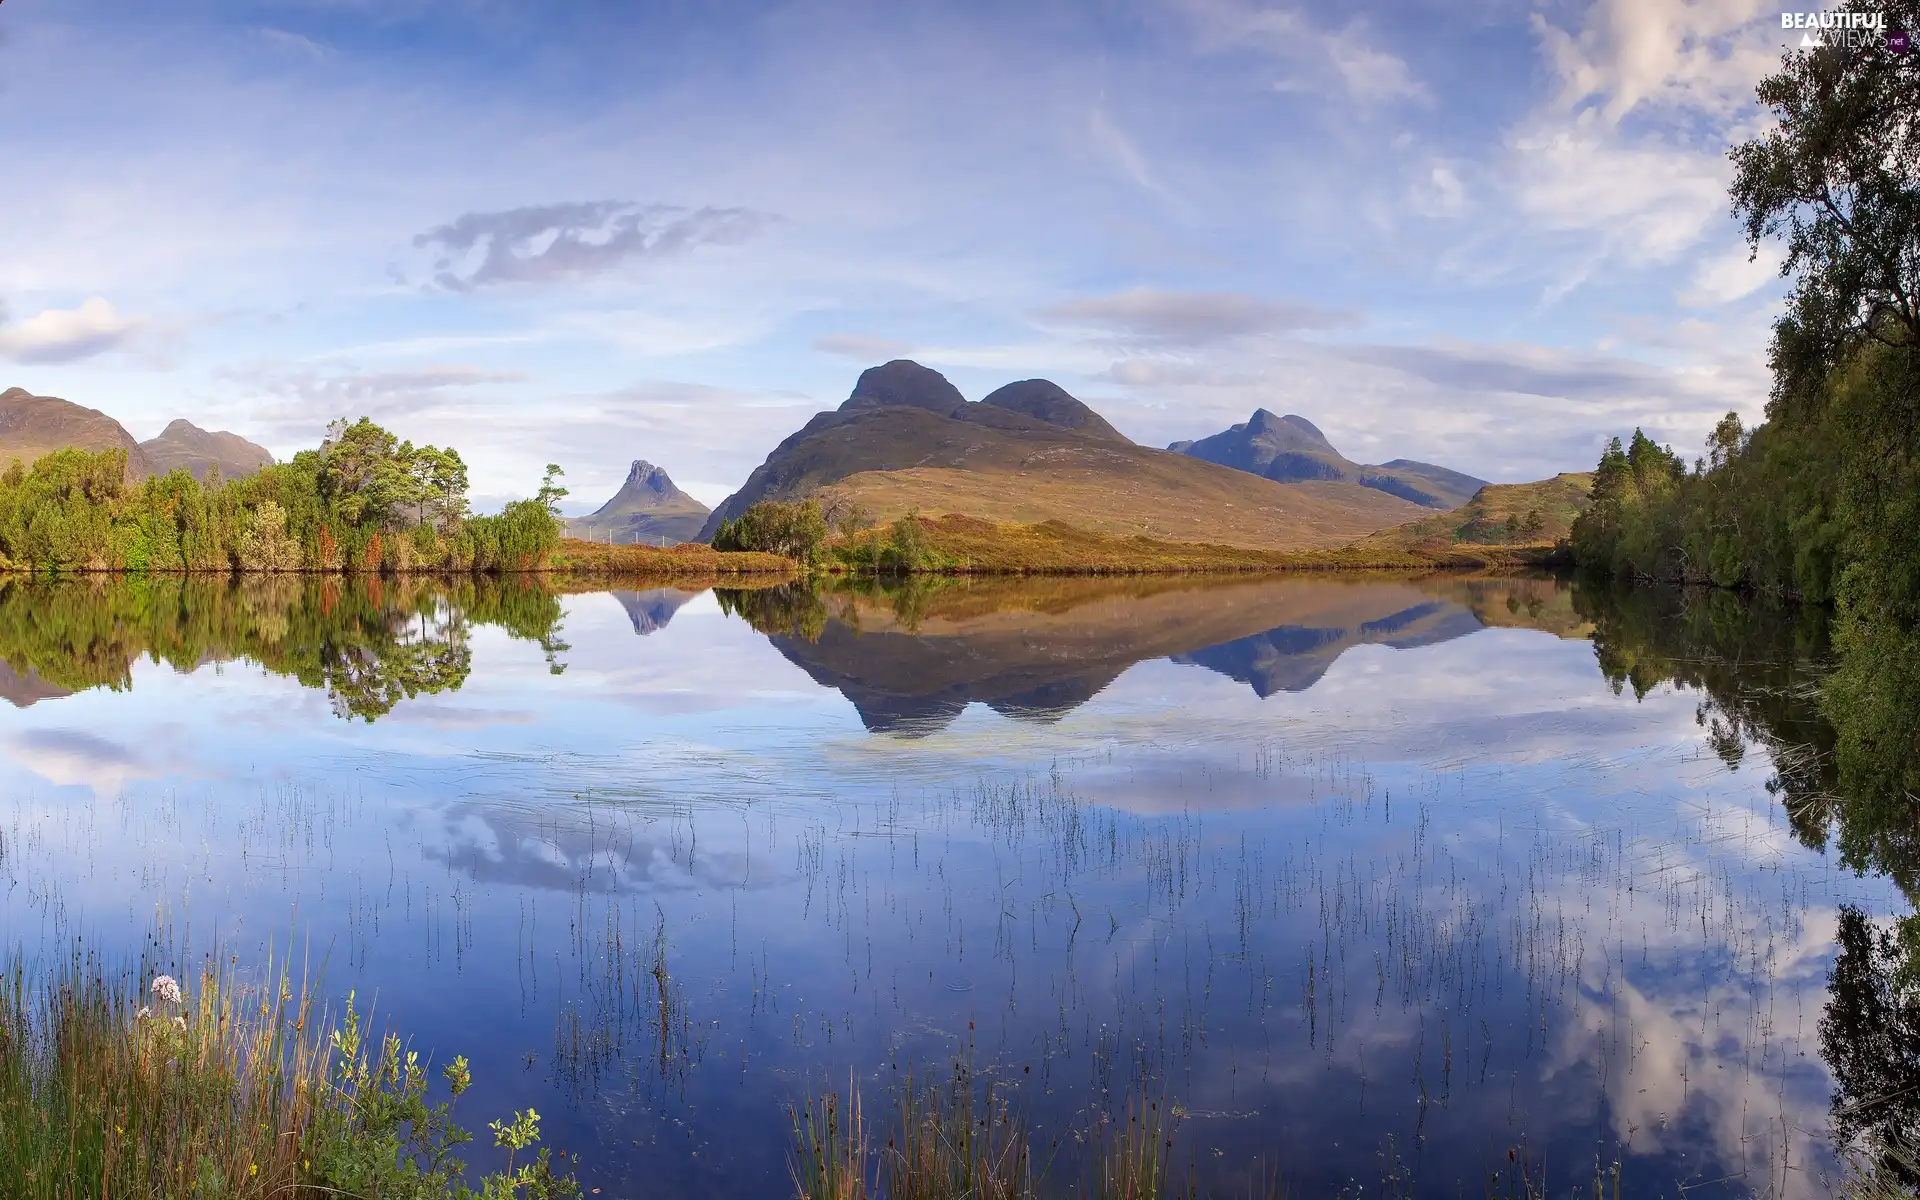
x=167, y=988
x=144, y=1012
x=180, y=1023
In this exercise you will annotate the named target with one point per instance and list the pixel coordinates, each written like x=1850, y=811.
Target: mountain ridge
x=1289, y=449
x=905, y=439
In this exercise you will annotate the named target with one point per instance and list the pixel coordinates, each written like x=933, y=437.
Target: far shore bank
x=956, y=546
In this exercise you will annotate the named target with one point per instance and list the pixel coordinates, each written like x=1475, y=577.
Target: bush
x=776, y=527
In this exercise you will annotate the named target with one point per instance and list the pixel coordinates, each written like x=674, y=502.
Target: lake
x=1385, y=884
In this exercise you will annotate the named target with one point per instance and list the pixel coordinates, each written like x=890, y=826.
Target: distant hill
x=31, y=426
x=647, y=510
x=184, y=444
x=1517, y=515
x=1030, y=452
x=1292, y=449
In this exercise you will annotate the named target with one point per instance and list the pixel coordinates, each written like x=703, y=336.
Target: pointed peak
x=905, y=382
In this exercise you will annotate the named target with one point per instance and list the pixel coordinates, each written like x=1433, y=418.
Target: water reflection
x=912, y=658
x=1379, y=878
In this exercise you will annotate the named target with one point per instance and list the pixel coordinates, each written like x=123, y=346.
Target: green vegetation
x=364, y=502
x=1822, y=502
x=791, y=530
x=132, y=1084
x=366, y=641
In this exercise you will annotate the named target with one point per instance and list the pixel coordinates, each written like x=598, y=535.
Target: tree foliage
x=1823, y=500
x=364, y=501
x=795, y=530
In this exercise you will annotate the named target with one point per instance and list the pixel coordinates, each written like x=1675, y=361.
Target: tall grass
x=114, y=1083
x=962, y=1139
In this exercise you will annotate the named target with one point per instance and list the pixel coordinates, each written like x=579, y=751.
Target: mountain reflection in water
x=1379, y=878
x=912, y=658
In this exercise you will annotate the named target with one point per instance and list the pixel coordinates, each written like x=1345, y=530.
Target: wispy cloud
x=1190, y=318
x=554, y=242
x=1311, y=53
x=303, y=399
x=61, y=335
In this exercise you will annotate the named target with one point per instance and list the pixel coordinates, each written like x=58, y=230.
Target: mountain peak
x=643, y=474
x=905, y=382
x=1045, y=400
x=202, y=451
x=649, y=508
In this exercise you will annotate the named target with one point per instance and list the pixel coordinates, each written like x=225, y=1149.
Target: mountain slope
x=906, y=439
x=1291, y=448
x=184, y=444
x=31, y=426
x=1534, y=514
x=647, y=510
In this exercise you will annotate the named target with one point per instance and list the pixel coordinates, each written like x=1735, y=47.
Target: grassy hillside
x=1132, y=492
x=1503, y=520
x=967, y=545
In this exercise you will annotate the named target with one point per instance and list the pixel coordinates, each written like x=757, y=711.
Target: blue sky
x=1484, y=233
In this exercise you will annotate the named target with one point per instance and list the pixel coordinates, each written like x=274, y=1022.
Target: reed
x=118, y=1083
x=948, y=1146
x=830, y=1147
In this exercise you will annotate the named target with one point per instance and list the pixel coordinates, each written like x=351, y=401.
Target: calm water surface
x=1377, y=879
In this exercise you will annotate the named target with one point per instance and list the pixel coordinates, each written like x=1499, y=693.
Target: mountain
x=647, y=509
x=906, y=439
x=1291, y=448
x=31, y=426
x=184, y=444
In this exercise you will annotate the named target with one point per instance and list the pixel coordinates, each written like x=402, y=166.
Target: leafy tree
x=776, y=527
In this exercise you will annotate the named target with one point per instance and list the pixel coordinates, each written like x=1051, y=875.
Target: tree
x=775, y=527
x=265, y=545
x=551, y=492
x=364, y=475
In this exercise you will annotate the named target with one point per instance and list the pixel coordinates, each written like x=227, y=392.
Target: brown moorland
x=579, y=557
x=1480, y=529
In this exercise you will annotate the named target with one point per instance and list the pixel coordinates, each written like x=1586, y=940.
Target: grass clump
x=111, y=1085
x=963, y=1140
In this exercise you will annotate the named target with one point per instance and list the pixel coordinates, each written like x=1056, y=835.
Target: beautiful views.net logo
x=1853, y=30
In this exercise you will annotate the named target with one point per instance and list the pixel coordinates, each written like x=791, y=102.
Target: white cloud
x=1311, y=54
x=1732, y=275
x=1703, y=55
x=1645, y=203
x=61, y=335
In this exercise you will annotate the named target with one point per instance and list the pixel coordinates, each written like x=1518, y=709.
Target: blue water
x=1374, y=893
